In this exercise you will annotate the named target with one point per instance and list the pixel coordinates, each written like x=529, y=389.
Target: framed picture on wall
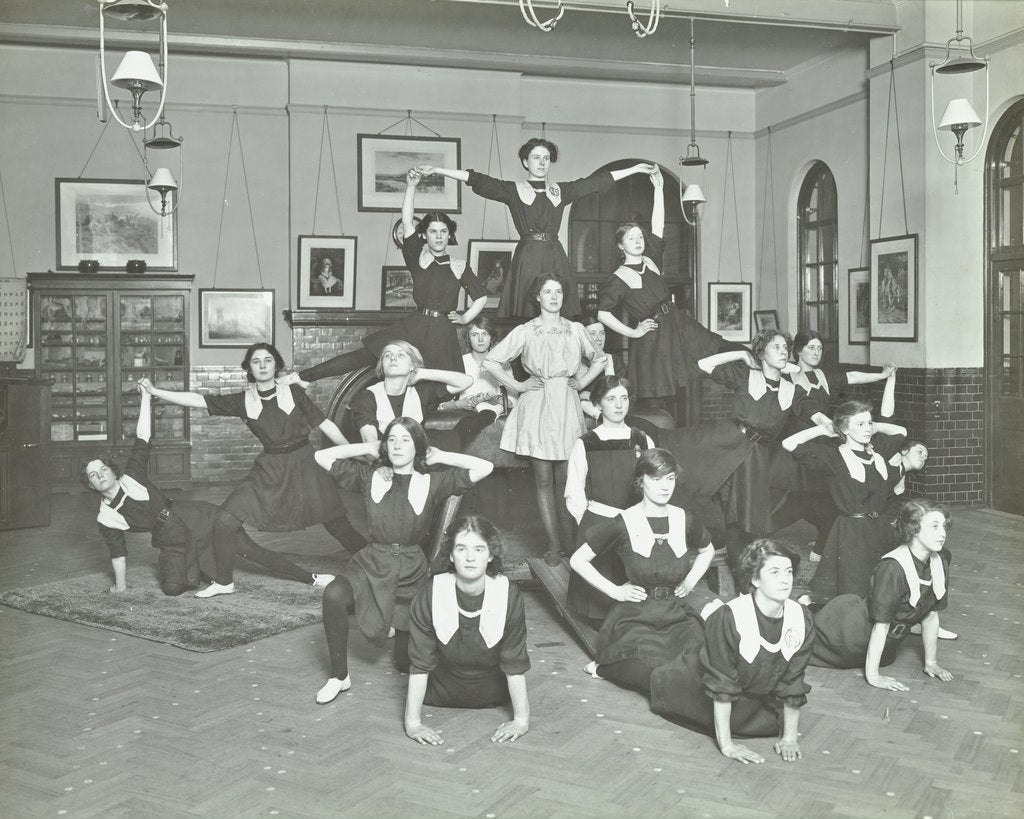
x=384, y=160
x=893, y=288
x=111, y=221
x=327, y=272
x=396, y=288
x=235, y=318
x=858, y=308
x=491, y=260
x=729, y=310
x=766, y=320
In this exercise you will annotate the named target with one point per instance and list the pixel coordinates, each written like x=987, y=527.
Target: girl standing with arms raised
x=537, y=205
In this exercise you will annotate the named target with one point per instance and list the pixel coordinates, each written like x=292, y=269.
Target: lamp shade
x=132, y=11
x=162, y=181
x=959, y=113
x=694, y=194
x=137, y=69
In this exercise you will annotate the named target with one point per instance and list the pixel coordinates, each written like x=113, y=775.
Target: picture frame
x=235, y=318
x=893, y=288
x=729, y=310
x=766, y=320
x=858, y=307
x=112, y=222
x=334, y=256
x=396, y=288
x=491, y=261
x=383, y=161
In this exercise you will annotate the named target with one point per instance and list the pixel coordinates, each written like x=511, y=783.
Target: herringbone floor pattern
x=99, y=724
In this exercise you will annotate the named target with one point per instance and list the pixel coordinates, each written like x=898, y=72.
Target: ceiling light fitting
x=692, y=197
x=162, y=181
x=136, y=72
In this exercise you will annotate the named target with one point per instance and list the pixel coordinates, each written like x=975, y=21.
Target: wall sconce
x=136, y=73
x=692, y=197
x=692, y=202
x=959, y=115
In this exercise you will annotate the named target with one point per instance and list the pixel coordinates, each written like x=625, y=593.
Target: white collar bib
x=641, y=537
x=856, y=467
x=411, y=406
x=527, y=193
x=445, y=609
x=903, y=556
x=633, y=279
x=419, y=487
x=757, y=386
x=254, y=404
x=110, y=515
x=820, y=382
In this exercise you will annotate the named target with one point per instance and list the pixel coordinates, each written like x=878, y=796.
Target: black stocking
x=230, y=539
x=342, y=530
x=549, y=477
x=339, y=602
x=472, y=425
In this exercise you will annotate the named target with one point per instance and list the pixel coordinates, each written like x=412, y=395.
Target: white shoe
x=216, y=588
x=331, y=689
x=321, y=581
x=944, y=634
x=591, y=669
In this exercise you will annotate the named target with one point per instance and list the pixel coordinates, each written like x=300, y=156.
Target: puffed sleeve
x=412, y=246
x=471, y=284
x=889, y=591
x=114, y=538
x=310, y=411
x=578, y=188
x=611, y=294
x=490, y=188
x=697, y=536
x=887, y=445
x=232, y=403
x=576, y=480
x=510, y=347
x=351, y=474
x=718, y=656
x=423, y=650
x=735, y=374
x=451, y=481
x=513, y=658
x=654, y=249
x=364, y=410
x=792, y=688
x=606, y=535
x=817, y=456
x=945, y=556
x=837, y=380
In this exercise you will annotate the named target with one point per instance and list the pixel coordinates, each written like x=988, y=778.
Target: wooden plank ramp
x=555, y=580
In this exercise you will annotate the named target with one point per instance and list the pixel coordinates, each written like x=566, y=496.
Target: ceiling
x=739, y=43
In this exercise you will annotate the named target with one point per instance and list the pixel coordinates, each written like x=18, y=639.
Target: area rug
x=261, y=606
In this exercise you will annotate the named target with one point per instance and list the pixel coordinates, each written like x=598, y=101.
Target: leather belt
x=662, y=309
x=540, y=237
x=164, y=515
x=432, y=313
x=754, y=436
x=285, y=448
x=660, y=592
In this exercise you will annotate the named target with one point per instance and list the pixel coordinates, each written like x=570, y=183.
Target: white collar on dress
x=757, y=386
x=903, y=556
x=804, y=381
x=855, y=466
x=527, y=193
x=254, y=404
x=634, y=278
x=641, y=537
x=411, y=406
x=109, y=515
x=445, y=609
x=751, y=641
x=419, y=487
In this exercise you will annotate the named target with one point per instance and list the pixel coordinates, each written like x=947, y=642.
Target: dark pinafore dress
x=904, y=590
x=387, y=574
x=754, y=661
x=536, y=212
x=609, y=490
x=657, y=553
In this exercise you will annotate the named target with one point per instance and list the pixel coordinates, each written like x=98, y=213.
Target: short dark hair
x=261, y=345
x=845, y=411
x=437, y=216
x=654, y=462
x=912, y=512
x=544, y=278
x=488, y=532
x=623, y=229
x=764, y=338
x=803, y=338
x=419, y=440
x=756, y=555
x=530, y=144
x=107, y=460
x=601, y=385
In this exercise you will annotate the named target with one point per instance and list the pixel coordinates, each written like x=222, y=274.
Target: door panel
x=1004, y=365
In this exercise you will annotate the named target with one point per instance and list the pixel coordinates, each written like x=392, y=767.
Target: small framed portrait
x=385, y=159
x=327, y=272
x=766, y=320
x=396, y=288
x=893, y=288
x=729, y=310
x=235, y=318
x=491, y=261
x=859, y=305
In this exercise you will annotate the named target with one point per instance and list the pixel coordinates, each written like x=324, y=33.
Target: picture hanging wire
x=892, y=105
x=736, y=214
x=494, y=146
x=325, y=131
x=103, y=130
x=7, y=222
x=768, y=207
x=224, y=199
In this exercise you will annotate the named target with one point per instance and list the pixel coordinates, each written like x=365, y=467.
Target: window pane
x=811, y=283
x=810, y=246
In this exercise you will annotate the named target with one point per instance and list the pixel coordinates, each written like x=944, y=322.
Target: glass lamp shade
x=959, y=115
x=132, y=11
x=162, y=181
x=137, y=71
x=694, y=195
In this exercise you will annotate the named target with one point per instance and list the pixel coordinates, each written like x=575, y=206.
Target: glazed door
x=1004, y=367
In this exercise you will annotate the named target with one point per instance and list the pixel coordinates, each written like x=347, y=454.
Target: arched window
x=594, y=220
x=817, y=226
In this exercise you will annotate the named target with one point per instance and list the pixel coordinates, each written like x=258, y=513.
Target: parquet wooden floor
x=99, y=724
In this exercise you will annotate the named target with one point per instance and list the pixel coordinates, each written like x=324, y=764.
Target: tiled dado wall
x=944, y=408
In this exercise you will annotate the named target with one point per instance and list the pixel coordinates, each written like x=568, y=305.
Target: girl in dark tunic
x=467, y=638
x=909, y=587
x=284, y=491
x=860, y=483
x=751, y=666
x=599, y=485
x=536, y=206
x=817, y=391
x=730, y=462
x=665, y=342
x=400, y=495
x=437, y=280
x=665, y=552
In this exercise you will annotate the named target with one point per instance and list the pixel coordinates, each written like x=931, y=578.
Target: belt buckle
x=663, y=309
x=395, y=549
x=661, y=593
x=164, y=515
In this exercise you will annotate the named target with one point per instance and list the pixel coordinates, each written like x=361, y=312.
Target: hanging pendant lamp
x=692, y=197
x=136, y=72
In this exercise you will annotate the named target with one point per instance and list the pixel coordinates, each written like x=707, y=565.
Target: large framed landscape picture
x=111, y=221
x=235, y=318
x=384, y=161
